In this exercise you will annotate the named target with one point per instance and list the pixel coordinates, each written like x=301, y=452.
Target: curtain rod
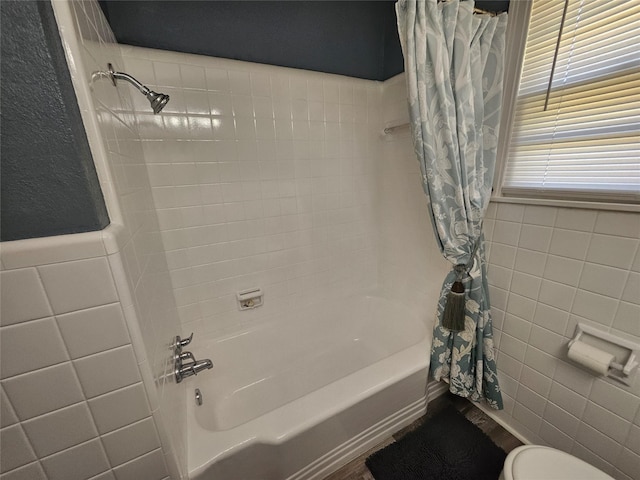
x=484, y=12
x=476, y=9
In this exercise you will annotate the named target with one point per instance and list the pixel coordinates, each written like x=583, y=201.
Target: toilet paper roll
x=591, y=357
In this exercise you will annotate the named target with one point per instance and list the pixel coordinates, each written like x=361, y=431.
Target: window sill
x=620, y=207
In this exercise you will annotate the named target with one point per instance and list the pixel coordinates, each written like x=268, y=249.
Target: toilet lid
x=533, y=462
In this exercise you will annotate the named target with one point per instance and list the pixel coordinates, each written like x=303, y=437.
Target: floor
x=357, y=470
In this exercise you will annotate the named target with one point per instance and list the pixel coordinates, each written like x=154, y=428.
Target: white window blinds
x=586, y=144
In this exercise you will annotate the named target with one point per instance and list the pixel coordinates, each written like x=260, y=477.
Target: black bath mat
x=445, y=447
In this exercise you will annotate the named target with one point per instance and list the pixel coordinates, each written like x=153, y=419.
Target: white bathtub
x=298, y=398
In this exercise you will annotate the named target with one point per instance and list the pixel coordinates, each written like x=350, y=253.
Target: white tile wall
x=105, y=371
x=149, y=467
x=262, y=177
x=571, y=266
x=23, y=297
x=109, y=415
x=93, y=330
x=40, y=337
x=131, y=441
x=73, y=286
x=32, y=471
x=16, y=449
x=80, y=462
x=25, y=391
x=52, y=365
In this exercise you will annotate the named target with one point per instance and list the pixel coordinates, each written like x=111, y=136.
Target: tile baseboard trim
x=509, y=428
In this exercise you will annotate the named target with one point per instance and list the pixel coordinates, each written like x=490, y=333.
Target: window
x=586, y=144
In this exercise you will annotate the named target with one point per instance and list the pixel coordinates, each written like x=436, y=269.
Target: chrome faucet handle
x=185, y=356
x=183, y=342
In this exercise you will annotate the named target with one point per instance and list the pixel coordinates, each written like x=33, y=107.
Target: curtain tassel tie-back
x=453, y=317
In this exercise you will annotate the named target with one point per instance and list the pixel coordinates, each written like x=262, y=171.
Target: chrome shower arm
x=125, y=76
x=157, y=100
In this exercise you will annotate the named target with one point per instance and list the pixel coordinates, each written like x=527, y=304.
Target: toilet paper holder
x=618, y=371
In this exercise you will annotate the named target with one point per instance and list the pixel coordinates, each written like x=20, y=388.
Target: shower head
x=157, y=100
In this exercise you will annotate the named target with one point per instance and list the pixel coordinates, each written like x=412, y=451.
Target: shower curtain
x=454, y=66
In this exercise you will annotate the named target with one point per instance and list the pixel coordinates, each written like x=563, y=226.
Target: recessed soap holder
x=249, y=299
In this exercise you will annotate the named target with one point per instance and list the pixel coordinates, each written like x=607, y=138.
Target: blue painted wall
x=353, y=38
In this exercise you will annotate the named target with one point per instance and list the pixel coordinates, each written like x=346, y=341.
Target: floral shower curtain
x=454, y=67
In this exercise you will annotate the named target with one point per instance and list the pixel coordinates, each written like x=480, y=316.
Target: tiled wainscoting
x=73, y=405
x=549, y=269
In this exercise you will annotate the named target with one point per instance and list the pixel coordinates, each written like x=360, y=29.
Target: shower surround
x=262, y=177
x=275, y=178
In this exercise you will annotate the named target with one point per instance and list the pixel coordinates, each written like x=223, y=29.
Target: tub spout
x=192, y=368
x=201, y=365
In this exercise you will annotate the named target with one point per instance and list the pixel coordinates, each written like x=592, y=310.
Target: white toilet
x=535, y=462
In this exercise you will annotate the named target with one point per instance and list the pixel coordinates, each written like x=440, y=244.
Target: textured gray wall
x=48, y=183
